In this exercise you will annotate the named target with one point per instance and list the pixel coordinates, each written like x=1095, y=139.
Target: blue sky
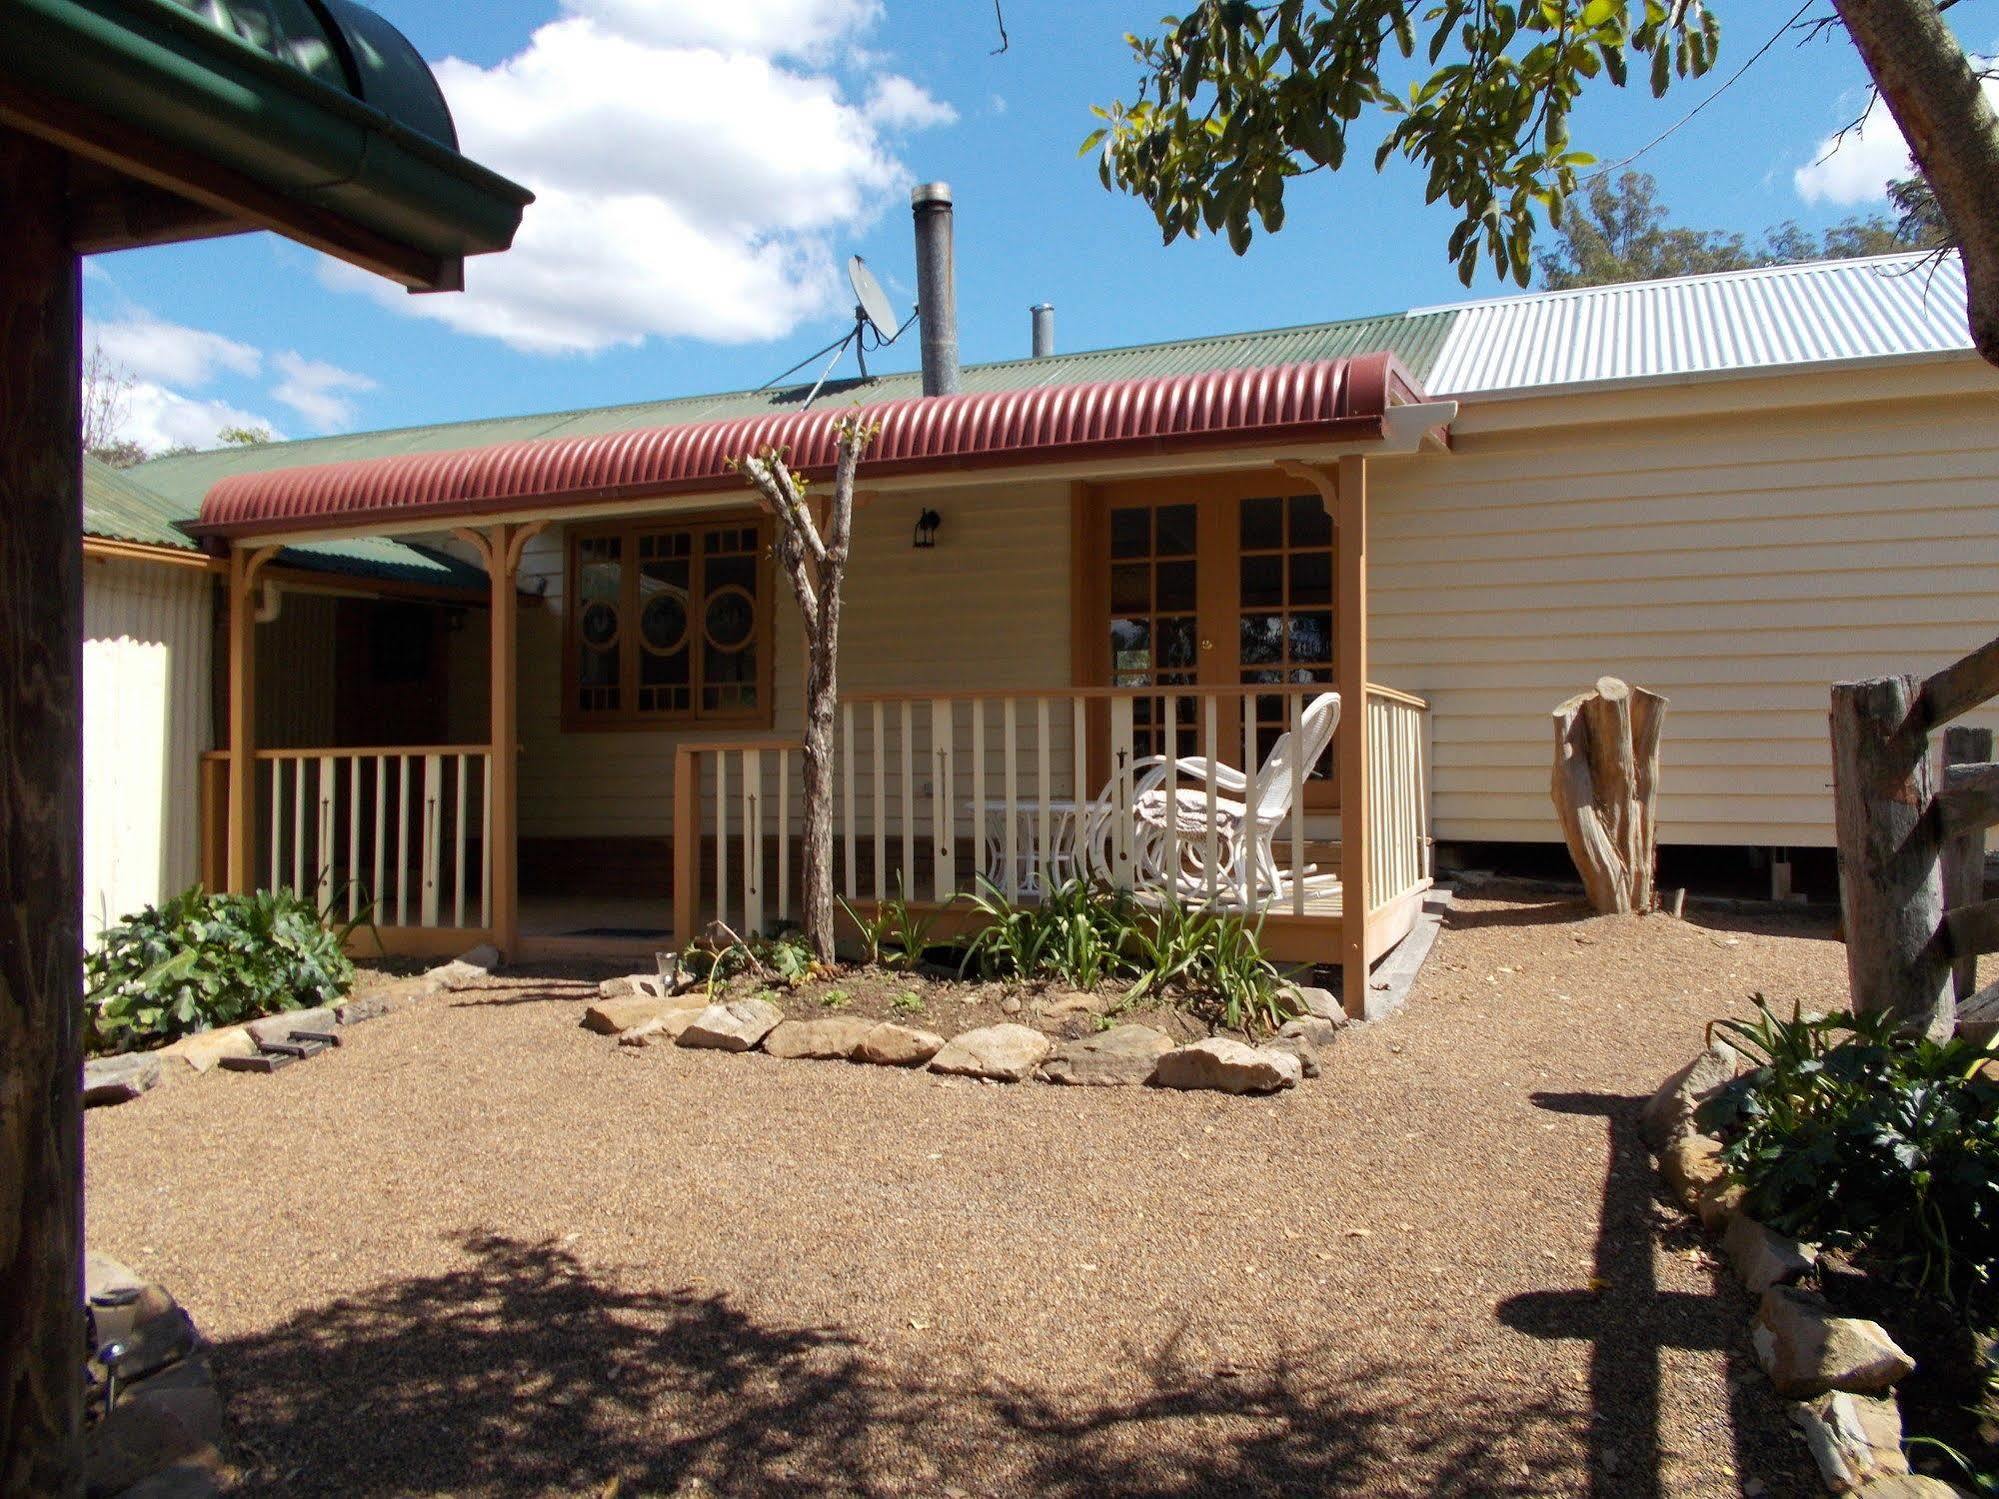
x=705, y=174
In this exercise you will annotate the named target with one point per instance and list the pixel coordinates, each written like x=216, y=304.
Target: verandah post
x=245, y=562
x=41, y=828
x=1350, y=600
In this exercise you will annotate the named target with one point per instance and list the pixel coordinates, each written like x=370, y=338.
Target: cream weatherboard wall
x=988, y=606
x=146, y=695
x=1738, y=545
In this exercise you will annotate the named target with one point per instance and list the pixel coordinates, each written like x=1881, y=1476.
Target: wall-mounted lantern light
x=926, y=529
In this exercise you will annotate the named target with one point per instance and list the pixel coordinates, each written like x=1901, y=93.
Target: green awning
x=319, y=104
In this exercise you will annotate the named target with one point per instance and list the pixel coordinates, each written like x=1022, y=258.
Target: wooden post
x=500, y=547
x=1964, y=854
x=41, y=829
x=1890, y=875
x=244, y=565
x=1350, y=657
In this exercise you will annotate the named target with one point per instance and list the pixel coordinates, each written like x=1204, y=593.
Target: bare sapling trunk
x=813, y=553
x=1606, y=791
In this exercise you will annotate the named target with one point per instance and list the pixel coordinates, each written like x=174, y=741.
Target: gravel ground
x=479, y=1251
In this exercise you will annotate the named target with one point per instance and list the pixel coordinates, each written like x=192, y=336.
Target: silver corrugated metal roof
x=1781, y=315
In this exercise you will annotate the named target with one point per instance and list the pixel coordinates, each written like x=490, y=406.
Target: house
x=361, y=636
x=1733, y=489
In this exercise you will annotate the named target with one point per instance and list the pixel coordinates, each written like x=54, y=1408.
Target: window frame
x=631, y=718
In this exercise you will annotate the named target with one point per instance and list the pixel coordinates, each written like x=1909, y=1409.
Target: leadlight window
x=671, y=625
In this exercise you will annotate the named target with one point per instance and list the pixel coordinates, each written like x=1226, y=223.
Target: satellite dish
x=872, y=312
x=873, y=303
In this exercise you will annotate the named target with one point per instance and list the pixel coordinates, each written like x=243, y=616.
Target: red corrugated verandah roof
x=1334, y=400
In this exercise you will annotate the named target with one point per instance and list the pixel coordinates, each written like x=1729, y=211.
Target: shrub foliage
x=199, y=961
x=1852, y=1134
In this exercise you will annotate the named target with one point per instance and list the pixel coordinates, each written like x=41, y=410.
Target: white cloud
x=313, y=388
x=894, y=101
x=149, y=348
x=773, y=28
x=1858, y=167
x=156, y=417
x=689, y=184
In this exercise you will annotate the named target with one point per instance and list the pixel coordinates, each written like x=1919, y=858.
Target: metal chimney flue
x=936, y=287
x=1044, y=329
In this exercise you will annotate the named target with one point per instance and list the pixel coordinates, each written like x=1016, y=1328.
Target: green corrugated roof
x=119, y=508
x=1414, y=338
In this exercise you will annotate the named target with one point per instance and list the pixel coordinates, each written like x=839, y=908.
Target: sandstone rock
x=1297, y=1046
x=157, y=1422
x=612, y=1017
x=1670, y=1112
x=485, y=956
x=1228, y=1067
x=1762, y=1257
x=1121, y=1057
x=367, y=1007
x=280, y=1026
x=1009, y=1004
x=204, y=1049
x=1912, y=1486
x=1006, y=1053
x=1718, y=1202
x=1313, y=1028
x=892, y=1045
x=736, y=1026
x=830, y=1038
x=1070, y=1002
x=1853, y=1438
x=120, y=1079
x=1690, y=1165
x=625, y=986
x=1318, y=1004
x=1807, y=1350
x=470, y=967
x=102, y=1274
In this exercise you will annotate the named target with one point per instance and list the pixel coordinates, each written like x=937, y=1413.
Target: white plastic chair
x=1248, y=813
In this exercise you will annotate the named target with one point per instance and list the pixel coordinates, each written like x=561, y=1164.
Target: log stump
x=1606, y=788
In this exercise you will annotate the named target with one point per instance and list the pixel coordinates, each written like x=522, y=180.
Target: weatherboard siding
x=1738, y=564
x=988, y=606
x=146, y=722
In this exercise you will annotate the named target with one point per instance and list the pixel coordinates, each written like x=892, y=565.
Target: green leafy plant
x=835, y=999
x=1077, y=932
x=907, y=1004
x=1850, y=1133
x=785, y=959
x=897, y=934
x=1209, y=961
x=197, y=961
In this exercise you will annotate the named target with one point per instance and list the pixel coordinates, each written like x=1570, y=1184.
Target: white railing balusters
x=458, y=852
x=722, y=838
x=981, y=817
x=1044, y=793
x=784, y=833
x=353, y=837
x=881, y=807
x=1010, y=749
x=1211, y=748
x=277, y=819
x=943, y=799
x=753, y=843
x=323, y=853
x=847, y=796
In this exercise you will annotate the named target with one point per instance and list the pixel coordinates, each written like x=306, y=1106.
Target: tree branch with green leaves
x=1236, y=99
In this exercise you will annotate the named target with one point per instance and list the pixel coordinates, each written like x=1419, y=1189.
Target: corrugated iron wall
x=146, y=722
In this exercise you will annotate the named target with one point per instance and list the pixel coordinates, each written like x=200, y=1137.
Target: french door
x=1217, y=582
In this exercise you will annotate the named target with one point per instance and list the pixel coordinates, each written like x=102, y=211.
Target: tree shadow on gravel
x=526, y=1373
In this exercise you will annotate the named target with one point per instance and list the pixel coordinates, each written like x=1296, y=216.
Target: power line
x=1755, y=57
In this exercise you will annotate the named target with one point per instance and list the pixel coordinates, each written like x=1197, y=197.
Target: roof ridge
x=1743, y=273
x=556, y=419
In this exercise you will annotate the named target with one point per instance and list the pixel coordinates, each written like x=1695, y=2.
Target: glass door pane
x=1154, y=627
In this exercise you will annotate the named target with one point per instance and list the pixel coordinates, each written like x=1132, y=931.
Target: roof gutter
x=200, y=112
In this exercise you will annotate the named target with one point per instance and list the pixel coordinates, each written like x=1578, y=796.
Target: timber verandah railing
x=935, y=789
x=399, y=835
